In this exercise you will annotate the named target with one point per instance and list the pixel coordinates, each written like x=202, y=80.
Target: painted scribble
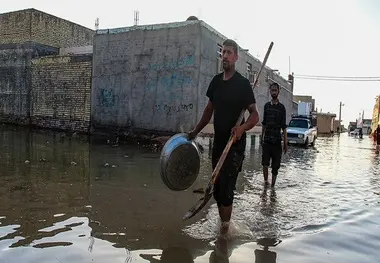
x=185, y=61
x=169, y=81
x=173, y=109
x=107, y=98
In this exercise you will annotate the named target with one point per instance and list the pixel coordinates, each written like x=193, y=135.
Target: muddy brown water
x=68, y=200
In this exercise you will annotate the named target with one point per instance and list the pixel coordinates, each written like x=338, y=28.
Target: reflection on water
x=64, y=199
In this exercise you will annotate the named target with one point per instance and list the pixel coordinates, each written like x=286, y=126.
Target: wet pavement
x=67, y=200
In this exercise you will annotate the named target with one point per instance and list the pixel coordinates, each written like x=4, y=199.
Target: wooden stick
x=218, y=166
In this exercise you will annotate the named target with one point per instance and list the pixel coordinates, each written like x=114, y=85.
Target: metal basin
x=179, y=162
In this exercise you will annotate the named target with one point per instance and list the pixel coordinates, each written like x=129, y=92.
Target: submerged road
x=68, y=200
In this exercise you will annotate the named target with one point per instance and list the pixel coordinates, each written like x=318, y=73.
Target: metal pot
x=179, y=162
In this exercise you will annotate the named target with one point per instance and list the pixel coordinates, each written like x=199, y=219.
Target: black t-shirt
x=229, y=98
x=274, y=120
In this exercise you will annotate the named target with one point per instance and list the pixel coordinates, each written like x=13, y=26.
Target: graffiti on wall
x=107, y=98
x=185, y=61
x=169, y=81
x=170, y=109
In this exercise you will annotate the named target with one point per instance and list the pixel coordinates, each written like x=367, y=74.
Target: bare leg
x=225, y=216
x=225, y=213
x=274, y=177
x=265, y=172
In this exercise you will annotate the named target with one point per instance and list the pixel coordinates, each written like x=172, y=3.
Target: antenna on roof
x=97, y=23
x=136, y=17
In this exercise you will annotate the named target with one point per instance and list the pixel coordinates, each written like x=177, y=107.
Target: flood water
x=67, y=200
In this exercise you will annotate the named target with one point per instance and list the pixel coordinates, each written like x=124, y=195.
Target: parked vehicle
x=302, y=130
x=357, y=132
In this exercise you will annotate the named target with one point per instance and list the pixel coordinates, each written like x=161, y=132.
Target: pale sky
x=322, y=38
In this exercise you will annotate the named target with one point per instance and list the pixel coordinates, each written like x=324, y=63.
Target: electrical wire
x=373, y=79
x=354, y=80
x=337, y=77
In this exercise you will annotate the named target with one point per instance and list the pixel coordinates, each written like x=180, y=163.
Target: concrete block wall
x=13, y=85
x=146, y=77
x=76, y=50
x=36, y=26
x=61, y=92
x=295, y=108
x=325, y=123
x=15, y=81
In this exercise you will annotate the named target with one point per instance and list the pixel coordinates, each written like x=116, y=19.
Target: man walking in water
x=229, y=93
x=273, y=122
x=377, y=132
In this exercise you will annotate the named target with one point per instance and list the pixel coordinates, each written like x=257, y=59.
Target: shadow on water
x=67, y=200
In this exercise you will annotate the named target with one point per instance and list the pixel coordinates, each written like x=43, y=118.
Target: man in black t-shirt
x=229, y=93
x=378, y=135
x=273, y=122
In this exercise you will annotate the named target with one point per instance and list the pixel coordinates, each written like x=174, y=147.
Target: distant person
x=360, y=133
x=229, y=93
x=377, y=137
x=273, y=122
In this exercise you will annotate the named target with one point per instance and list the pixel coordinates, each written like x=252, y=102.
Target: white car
x=356, y=132
x=300, y=131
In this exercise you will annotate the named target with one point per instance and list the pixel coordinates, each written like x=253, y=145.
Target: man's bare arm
x=206, y=117
x=263, y=127
x=253, y=118
x=285, y=135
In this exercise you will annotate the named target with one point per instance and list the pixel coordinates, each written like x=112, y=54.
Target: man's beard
x=226, y=66
x=274, y=97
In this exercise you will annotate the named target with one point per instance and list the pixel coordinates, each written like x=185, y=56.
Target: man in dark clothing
x=273, y=122
x=229, y=93
x=378, y=136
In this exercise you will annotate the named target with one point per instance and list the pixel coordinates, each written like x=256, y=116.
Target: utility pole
x=340, y=116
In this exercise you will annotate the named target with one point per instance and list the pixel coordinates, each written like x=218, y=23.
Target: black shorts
x=272, y=152
x=225, y=184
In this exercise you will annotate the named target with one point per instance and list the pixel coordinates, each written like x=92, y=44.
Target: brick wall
x=61, y=92
x=15, y=27
x=33, y=25
x=54, y=31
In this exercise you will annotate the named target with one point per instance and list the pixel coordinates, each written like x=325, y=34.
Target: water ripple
x=74, y=208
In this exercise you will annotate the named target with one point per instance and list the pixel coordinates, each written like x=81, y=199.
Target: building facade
x=37, y=85
x=58, y=74
x=155, y=77
x=375, y=115
x=325, y=122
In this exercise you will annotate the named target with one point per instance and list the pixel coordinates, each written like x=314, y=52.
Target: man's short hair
x=274, y=85
x=231, y=43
